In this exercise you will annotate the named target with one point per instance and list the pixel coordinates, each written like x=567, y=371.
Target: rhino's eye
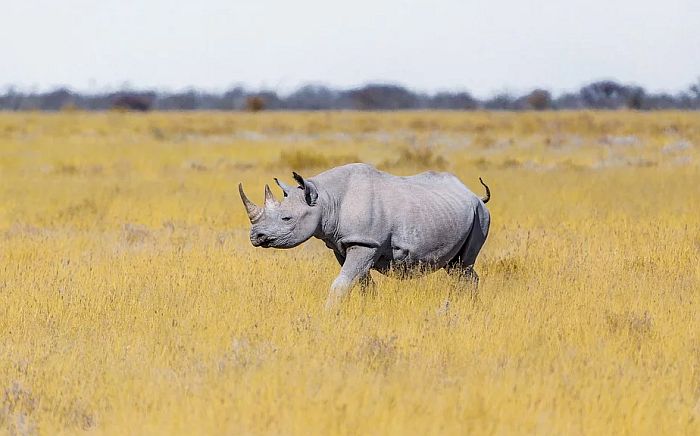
x=286, y=218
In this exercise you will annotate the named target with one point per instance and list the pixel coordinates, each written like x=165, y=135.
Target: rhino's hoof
x=330, y=305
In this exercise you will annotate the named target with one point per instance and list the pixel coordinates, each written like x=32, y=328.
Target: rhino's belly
x=395, y=258
x=405, y=269
x=408, y=261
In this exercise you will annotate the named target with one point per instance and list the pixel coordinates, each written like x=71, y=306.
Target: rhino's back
x=420, y=218
x=351, y=177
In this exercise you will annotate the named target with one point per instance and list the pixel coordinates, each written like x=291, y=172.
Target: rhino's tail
x=488, y=192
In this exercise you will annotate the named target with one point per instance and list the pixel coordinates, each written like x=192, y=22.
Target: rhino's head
x=286, y=223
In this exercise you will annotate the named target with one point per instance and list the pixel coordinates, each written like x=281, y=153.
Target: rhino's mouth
x=265, y=242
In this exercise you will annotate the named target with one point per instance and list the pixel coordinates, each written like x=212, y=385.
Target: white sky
x=482, y=46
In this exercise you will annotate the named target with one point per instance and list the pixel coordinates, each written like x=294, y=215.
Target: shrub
x=539, y=100
x=255, y=104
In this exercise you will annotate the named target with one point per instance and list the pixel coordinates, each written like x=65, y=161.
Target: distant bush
x=384, y=97
x=458, y=101
x=133, y=102
x=503, y=101
x=608, y=94
x=539, y=100
x=604, y=94
x=255, y=104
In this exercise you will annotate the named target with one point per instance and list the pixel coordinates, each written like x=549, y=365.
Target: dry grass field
x=131, y=301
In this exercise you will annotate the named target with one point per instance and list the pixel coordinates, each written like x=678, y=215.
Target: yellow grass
x=131, y=301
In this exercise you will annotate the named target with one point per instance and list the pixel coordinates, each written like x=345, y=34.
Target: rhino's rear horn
x=269, y=198
x=285, y=188
x=254, y=211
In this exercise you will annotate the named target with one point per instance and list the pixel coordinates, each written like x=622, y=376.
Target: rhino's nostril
x=260, y=235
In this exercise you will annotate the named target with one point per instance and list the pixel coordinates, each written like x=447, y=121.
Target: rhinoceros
x=375, y=220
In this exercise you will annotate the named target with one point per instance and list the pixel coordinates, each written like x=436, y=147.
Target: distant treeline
x=597, y=95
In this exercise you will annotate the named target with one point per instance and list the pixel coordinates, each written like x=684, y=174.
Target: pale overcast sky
x=483, y=46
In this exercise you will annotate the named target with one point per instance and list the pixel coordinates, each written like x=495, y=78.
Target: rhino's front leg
x=358, y=261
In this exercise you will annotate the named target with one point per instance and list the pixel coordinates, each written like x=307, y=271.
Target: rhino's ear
x=299, y=179
x=310, y=191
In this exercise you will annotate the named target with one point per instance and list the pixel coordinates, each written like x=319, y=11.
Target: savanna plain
x=132, y=302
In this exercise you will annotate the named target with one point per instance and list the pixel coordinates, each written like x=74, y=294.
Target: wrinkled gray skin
x=374, y=220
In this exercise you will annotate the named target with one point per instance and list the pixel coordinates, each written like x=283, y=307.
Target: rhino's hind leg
x=467, y=284
x=358, y=261
x=463, y=263
x=465, y=274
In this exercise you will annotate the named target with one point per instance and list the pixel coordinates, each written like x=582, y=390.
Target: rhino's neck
x=334, y=188
x=329, y=202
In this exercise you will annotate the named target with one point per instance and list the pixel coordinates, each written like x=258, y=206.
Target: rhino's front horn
x=254, y=212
